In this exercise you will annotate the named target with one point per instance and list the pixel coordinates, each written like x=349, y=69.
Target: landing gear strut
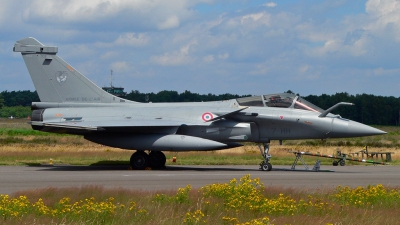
x=265, y=165
x=140, y=160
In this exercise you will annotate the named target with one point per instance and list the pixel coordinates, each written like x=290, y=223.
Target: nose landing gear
x=265, y=165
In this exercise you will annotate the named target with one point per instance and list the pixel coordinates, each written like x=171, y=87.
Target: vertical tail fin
x=57, y=81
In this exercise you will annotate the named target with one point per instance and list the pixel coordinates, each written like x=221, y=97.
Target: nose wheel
x=265, y=165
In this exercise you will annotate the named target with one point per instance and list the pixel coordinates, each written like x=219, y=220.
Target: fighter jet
x=71, y=103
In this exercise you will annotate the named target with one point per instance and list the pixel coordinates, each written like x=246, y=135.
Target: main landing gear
x=140, y=160
x=265, y=165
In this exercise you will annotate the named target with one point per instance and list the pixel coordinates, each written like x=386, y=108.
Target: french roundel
x=207, y=116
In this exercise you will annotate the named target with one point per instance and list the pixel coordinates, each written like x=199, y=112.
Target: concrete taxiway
x=16, y=178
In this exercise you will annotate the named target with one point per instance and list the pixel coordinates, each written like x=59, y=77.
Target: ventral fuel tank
x=159, y=142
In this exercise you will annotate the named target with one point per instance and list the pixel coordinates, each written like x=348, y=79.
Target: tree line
x=368, y=109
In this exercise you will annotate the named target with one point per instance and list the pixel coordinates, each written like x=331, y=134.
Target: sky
x=213, y=46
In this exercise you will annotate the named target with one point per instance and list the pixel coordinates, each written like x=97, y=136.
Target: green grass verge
x=118, y=159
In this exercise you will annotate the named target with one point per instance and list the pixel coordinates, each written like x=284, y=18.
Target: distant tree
x=174, y=96
x=15, y=111
x=368, y=109
x=166, y=96
x=136, y=96
x=19, y=98
x=1, y=101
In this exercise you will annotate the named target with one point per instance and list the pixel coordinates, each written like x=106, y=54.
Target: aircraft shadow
x=198, y=168
x=60, y=167
x=124, y=165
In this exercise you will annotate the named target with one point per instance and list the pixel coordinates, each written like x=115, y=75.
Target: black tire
x=342, y=163
x=139, y=160
x=269, y=166
x=157, y=159
x=266, y=166
x=335, y=163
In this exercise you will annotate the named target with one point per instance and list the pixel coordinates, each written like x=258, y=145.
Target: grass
x=244, y=201
x=89, y=153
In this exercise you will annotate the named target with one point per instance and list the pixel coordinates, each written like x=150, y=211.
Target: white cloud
x=380, y=8
x=293, y=47
x=385, y=18
x=249, y=21
x=308, y=72
x=73, y=10
x=303, y=68
x=330, y=46
x=259, y=69
x=108, y=55
x=75, y=51
x=176, y=58
x=171, y=22
x=132, y=39
x=223, y=56
x=359, y=47
x=10, y=16
x=270, y=4
x=308, y=31
x=208, y=58
x=383, y=72
x=3, y=12
x=121, y=66
x=254, y=17
x=310, y=76
x=157, y=14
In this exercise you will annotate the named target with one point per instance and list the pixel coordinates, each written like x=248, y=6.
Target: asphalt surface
x=16, y=178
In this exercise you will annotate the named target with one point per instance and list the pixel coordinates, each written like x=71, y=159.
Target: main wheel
x=139, y=160
x=342, y=162
x=266, y=166
x=335, y=163
x=157, y=159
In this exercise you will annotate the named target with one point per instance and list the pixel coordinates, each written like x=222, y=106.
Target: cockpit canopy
x=283, y=100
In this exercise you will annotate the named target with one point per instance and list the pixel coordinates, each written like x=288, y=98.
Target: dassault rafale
x=71, y=103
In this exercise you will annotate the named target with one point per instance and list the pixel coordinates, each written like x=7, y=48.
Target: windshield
x=283, y=100
x=250, y=101
x=306, y=105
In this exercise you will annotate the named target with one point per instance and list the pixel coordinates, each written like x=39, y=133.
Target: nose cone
x=359, y=129
x=342, y=128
